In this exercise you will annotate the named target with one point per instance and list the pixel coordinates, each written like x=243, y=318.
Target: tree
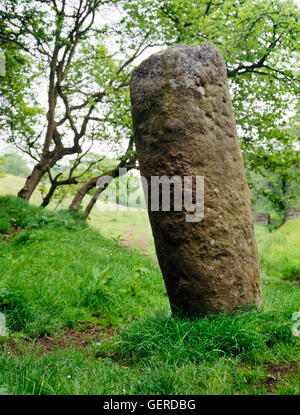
x=259, y=42
x=76, y=172
x=112, y=174
x=19, y=109
x=278, y=182
x=127, y=162
x=279, y=170
x=63, y=45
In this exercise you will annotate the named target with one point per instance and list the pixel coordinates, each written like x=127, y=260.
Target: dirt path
x=81, y=337
x=141, y=243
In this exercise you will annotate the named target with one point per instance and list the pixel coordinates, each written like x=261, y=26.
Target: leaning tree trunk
x=92, y=202
x=54, y=185
x=126, y=165
x=82, y=191
x=184, y=126
x=32, y=182
x=112, y=174
x=47, y=198
x=39, y=170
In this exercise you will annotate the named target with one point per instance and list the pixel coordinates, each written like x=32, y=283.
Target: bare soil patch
x=7, y=236
x=129, y=241
x=278, y=372
x=70, y=337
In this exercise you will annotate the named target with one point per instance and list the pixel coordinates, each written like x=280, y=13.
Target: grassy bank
x=280, y=252
x=121, y=224
x=88, y=316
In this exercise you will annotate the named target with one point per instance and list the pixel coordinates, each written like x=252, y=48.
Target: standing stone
x=184, y=125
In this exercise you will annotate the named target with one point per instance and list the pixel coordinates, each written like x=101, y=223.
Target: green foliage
x=274, y=172
x=19, y=110
x=274, y=192
x=183, y=341
x=89, y=76
x=279, y=252
x=14, y=164
x=259, y=41
x=56, y=292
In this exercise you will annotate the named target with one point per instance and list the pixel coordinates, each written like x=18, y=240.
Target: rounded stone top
x=180, y=66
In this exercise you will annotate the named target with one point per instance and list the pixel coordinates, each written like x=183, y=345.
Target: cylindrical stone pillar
x=184, y=126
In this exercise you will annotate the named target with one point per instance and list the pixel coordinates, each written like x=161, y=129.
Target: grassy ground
x=123, y=225
x=88, y=316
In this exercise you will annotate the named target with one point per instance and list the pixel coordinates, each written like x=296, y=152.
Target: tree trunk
x=82, y=191
x=38, y=172
x=91, y=183
x=92, y=202
x=113, y=174
x=54, y=184
x=45, y=164
x=47, y=198
x=32, y=182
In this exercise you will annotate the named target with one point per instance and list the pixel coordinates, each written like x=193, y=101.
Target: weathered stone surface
x=184, y=125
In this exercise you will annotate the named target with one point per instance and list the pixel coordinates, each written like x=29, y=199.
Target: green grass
x=4, y=221
x=182, y=341
x=63, y=272
x=122, y=224
x=58, y=273
x=280, y=251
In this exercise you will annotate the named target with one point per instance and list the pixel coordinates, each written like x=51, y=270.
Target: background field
x=130, y=226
